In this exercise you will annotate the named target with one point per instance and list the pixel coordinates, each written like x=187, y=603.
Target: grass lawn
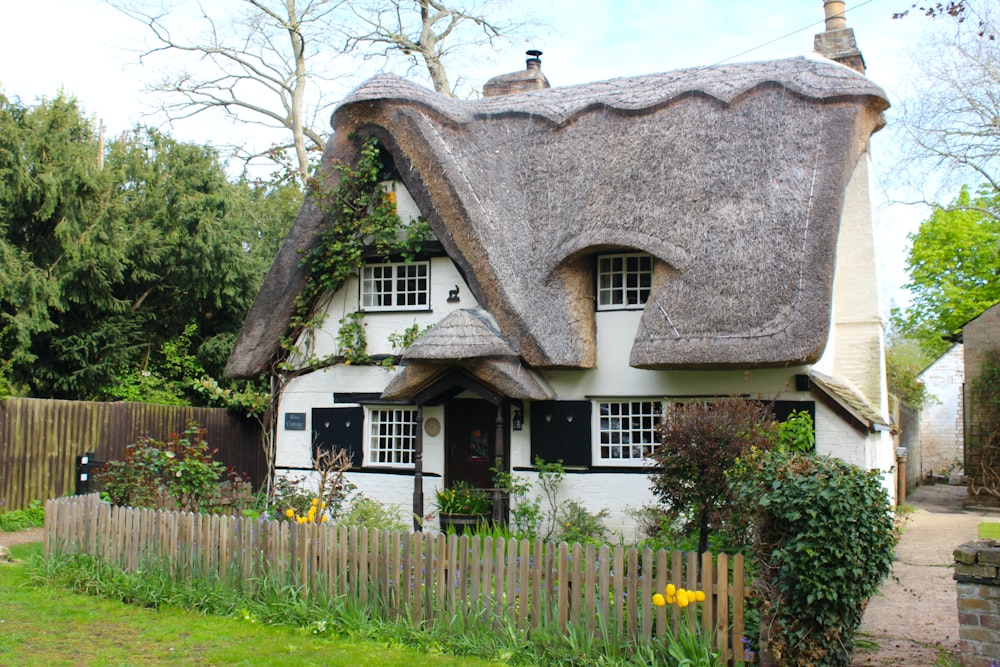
x=51, y=627
x=989, y=530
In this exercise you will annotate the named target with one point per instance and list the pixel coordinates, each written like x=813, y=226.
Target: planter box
x=461, y=522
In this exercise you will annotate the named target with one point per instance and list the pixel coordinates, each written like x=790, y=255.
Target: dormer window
x=623, y=280
x=396, y=286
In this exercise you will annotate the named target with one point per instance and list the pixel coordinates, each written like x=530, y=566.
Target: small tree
x=700, y=444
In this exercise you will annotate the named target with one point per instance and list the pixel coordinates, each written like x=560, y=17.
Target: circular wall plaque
x=432, y=426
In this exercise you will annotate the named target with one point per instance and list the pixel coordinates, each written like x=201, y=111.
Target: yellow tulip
x=658, y=600
x=699, y=596
x=682, y=598
x=290, y=513
x=671, y=590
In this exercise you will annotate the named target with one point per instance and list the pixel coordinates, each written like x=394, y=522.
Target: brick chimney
x=530, y=78
x=837, y=42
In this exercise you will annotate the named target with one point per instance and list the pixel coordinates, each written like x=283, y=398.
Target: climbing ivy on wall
x=984, y=473
x=362, y=224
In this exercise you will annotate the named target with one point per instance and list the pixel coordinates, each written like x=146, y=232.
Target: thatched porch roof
x=732, y=177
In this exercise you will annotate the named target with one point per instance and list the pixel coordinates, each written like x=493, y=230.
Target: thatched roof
x=731, y=176
x=462, y=334
x=504, y=376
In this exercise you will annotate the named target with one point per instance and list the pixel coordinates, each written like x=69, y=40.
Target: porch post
x=499, y=459
x=418, y=471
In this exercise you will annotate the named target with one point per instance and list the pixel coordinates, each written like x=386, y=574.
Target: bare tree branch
x=419, y=29
x=257, y=65
x=954, y=121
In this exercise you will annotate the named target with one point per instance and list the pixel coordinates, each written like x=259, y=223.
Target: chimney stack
x=530, y=78
x=835, y=19
x=838, y=42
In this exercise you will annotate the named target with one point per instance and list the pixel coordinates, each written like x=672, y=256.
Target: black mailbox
x=85, y=467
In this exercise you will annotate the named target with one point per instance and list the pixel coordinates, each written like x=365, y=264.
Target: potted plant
x=460, y=506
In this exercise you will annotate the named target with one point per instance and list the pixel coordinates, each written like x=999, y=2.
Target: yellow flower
x=289, y=512
x=671, y=590
x=671, y=599
x=699, y=596
x=682, y=598
x=323, y=520
x=300, y=520
x=658, y=600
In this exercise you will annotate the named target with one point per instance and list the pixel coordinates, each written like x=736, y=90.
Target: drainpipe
x=900, y=475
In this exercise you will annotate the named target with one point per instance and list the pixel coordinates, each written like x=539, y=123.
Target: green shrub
x=824, y=543
x=578, y=524
x=365, y=512
x=32, y=516
x=178, y=473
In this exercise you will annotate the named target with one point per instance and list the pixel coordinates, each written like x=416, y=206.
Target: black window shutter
x=339, y=428
x=561, y=430
x=783, y=409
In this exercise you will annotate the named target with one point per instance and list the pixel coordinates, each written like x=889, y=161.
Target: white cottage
x=599, y=249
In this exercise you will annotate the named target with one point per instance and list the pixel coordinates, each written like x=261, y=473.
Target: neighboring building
x=941, y=418
x=600, y=249
x=980, y=338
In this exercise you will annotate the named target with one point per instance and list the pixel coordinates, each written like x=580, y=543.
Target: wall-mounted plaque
x=295, y=421
x=432, y=427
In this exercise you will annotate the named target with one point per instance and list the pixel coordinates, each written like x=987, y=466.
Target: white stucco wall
x=941, y=419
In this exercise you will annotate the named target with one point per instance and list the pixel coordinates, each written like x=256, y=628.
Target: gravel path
x=916, y=614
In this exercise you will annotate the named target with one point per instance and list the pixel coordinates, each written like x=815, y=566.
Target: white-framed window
x=623, y=280
x=392, y=435
x=626, y=430
x=396, y=286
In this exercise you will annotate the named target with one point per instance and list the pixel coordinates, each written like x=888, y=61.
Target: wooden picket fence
x=426, y=577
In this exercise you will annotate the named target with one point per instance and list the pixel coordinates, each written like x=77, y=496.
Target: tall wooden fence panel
x=426, y=577
x=40, y=440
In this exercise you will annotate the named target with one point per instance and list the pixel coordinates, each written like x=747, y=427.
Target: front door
x=470, y=441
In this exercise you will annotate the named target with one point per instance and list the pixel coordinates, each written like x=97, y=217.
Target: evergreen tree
x=142, y=269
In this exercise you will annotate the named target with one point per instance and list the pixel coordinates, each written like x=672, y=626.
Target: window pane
x=624, y=280
x=390, y=286
x=392, y=436
x=628, y=430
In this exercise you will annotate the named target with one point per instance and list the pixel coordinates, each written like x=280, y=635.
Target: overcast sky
x=89, y=50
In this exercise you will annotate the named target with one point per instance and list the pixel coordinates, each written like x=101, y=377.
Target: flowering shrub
x=179, y=473
x=679, y=596
x=293, y=499
x=686, y=645
x=461, y=499
x=315, y=514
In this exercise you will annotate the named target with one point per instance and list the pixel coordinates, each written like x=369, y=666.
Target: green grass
x=989, y=530
x=49, y=626
x=32, y=516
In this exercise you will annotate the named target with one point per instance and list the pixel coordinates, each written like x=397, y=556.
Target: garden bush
x=178, y=473
x=824, y=544
x=32, y=516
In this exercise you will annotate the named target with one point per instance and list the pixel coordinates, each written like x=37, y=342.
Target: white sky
x=88, y=49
